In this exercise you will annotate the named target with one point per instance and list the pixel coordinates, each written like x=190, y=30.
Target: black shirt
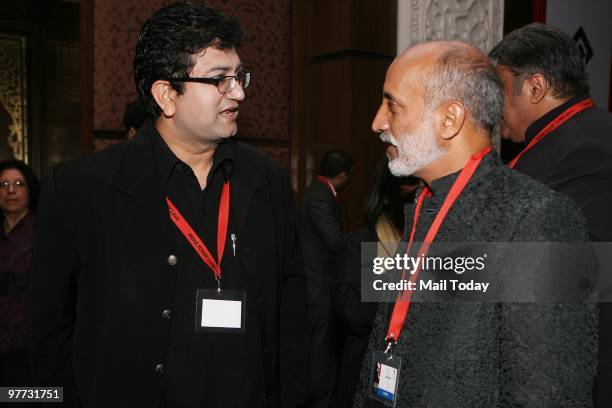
x=199, y=207
x=196, y=358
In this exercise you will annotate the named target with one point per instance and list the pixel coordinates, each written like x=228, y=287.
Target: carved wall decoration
x=13, y=98
x=478, y=21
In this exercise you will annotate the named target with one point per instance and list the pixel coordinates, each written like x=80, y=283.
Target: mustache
x=387, y=137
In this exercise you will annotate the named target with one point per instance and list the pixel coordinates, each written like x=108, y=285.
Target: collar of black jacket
x=539, y=124
x=167, y=161
x=138, y=160
x=440, y=187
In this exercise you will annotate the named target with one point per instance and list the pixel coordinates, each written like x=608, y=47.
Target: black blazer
x=576, y=160
x=323, y=237
x=102, y=273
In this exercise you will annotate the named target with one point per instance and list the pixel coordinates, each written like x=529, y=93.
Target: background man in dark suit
x=123, y=310
x=323, y=236
x=568, y=141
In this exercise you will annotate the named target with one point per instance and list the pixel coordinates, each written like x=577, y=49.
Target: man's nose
x=237, y=93
x=379, y=124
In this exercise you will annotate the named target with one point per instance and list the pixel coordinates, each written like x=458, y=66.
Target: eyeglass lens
x=16, y=184
x=228, y=83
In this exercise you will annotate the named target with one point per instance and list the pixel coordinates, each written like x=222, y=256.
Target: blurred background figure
x=384, y=222
x=133, y=118
x=19, y=189
x=323, y=237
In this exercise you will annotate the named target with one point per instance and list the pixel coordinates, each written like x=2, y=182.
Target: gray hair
x=462, y=74
x=546, y=50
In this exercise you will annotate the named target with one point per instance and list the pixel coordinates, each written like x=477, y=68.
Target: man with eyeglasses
x=166, y=271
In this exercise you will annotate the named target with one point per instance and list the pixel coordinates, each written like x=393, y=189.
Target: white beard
x=415, y=150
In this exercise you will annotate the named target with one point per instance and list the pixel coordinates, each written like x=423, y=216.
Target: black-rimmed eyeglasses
x=224, y=84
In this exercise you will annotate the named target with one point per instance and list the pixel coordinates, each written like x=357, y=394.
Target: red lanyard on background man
x=196, y=242
x=325, y=180
x=555, y=123
x=402, y=304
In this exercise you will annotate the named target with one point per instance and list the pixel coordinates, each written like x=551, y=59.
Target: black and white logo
x=584, y=45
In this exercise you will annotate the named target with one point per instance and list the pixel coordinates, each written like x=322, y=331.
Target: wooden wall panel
x=374, y=27
x=341, y=51
x=332, y=97
x=328, y=26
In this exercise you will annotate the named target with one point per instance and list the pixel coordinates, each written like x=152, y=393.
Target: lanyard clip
x=391, y=342
x=219, y=285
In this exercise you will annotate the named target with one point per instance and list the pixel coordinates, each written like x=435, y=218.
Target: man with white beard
x=421, y=144
x=440, y=103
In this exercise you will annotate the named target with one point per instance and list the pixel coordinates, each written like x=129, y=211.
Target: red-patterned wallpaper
x=266, y=53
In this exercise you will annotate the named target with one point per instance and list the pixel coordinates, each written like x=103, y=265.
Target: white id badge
x=222, y=311
x=385, y=376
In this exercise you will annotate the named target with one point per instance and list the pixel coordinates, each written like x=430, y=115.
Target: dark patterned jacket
x=494, y=355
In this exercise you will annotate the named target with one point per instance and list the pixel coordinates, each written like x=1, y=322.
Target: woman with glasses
x=18, y=194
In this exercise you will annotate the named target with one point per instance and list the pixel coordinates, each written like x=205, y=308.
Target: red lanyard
x=193, y=238
x=325, y=180
x=558, y=121
x=402, y=304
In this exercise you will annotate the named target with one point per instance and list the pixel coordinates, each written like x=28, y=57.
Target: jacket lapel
x=136, y=174
x=150, y=197
x=245, y=182
x=240, y=201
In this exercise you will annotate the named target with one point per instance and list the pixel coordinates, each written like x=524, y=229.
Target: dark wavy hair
x=544, y=49
x=30, y=178
x=385, y=195
x=169, y=40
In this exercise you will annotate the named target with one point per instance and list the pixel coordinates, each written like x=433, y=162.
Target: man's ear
x=165, y=96
x=453, y=114
x=536, y=86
